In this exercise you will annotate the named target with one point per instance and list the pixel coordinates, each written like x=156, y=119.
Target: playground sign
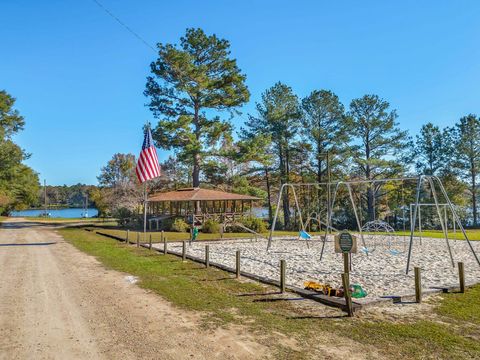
x=345, y=243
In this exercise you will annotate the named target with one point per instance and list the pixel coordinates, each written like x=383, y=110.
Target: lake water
x=260, y=212
x=56, y=213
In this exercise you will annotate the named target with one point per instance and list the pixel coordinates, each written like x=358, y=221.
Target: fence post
x=461, y=275
x=161, y=236
x=126, y=239
x=184, y=250
x=418, y=285
x=138, y=239
x=150, y=242
x=238, y=264
x=346, y=293
x=283, y=266
x=207, y=256
x=165, y=251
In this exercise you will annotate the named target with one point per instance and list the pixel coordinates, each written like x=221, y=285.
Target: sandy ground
x=381, y=273
x=58, y=303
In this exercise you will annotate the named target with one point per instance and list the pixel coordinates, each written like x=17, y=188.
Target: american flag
x=147, y=164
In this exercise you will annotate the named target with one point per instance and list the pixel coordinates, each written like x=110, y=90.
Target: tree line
x=19, y=184
x=64, y=196
x=196, y=88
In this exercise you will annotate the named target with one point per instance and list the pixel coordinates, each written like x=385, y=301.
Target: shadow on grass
x=261, y=294
x=267, y=300
x=308, y=317
x=219, y=279
x=29, y=244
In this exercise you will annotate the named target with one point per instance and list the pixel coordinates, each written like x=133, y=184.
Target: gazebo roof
x=198, y=194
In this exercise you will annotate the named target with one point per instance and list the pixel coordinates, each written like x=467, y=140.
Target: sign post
x=346, y=244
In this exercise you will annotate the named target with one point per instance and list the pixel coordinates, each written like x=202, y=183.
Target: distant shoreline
x=57, y=207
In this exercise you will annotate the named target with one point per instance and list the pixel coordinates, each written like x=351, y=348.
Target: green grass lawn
x=473, y=234
x=176, y=236
x=451, y=331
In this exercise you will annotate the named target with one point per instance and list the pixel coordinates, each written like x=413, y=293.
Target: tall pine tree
x=431, y=150
x=187, y=84
x=278, y=117
x=325, y=128
x=467, y=150
x=380, y=142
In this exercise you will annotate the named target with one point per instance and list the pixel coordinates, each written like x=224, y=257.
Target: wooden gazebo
x=196, y=205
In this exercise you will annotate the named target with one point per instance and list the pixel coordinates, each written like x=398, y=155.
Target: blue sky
x=79, y=77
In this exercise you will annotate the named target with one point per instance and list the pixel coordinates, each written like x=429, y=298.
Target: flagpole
x=147, y=168
x=145, y=200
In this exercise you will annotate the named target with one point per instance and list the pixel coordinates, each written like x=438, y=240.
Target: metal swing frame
x=445, y=207
x=303, y=224
x=431, y=181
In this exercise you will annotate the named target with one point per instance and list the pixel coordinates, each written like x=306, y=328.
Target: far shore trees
x=188, y=85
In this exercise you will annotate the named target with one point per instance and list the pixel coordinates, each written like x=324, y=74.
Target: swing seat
x=365, y=250
x=304, y=235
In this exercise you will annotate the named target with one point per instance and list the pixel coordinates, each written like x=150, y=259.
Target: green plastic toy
x=357, y=291
x=194, y=233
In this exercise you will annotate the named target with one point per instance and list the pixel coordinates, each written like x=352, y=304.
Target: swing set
x=322, y=211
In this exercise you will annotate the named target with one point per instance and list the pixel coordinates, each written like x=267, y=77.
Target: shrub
x=255, y=224
x=211, y=227
x=124, y=216
x=179, y=226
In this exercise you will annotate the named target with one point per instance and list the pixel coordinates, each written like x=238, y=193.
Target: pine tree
x=467, y=151
x=380, y=142
x=187, y=82
x=325, y=128
x=431, y=150
x=278, y=118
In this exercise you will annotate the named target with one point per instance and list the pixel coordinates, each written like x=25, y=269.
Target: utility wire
x=125, y=26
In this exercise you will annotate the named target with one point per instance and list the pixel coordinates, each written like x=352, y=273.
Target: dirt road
x=58, y=303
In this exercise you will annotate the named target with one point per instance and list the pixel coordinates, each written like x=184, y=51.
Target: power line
x=125, y=25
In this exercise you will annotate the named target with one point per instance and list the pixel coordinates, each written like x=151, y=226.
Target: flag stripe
x=144, y=165
x=141, y=167
x=153, y=161
x=148, y=166
x=147, y=162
